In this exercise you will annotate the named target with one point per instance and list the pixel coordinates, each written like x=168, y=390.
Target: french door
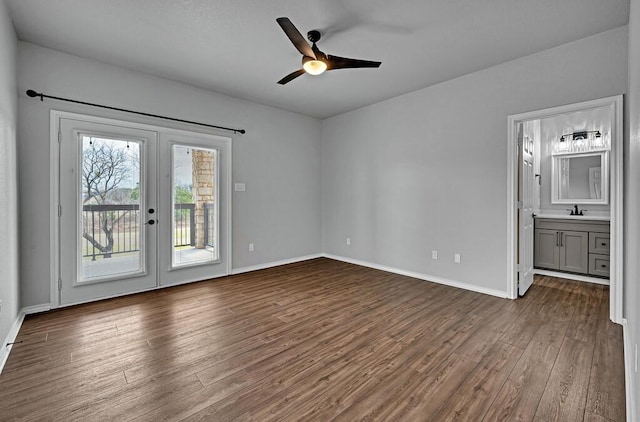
x=194, y=186
x=138, y=207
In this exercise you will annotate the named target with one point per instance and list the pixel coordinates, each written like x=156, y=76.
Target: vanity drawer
x=599, y=243
x=599, y=265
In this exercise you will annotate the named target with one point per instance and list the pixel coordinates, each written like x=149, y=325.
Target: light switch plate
x=239, y=187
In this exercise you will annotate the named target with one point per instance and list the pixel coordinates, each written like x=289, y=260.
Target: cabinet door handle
x=561, y=238
x=557, y=238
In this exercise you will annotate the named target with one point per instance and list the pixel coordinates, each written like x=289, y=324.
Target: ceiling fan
x=314, y=61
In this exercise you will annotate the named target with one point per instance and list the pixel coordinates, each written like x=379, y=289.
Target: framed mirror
x=580, y=178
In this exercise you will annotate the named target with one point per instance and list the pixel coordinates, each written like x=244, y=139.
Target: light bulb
x=313, y=67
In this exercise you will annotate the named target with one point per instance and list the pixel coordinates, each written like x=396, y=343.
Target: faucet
x=575, y=210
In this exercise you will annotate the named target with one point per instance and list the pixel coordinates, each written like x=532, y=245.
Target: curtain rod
x=31, y=93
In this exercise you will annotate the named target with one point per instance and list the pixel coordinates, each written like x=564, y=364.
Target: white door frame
x=54, y=188
x=615, y=192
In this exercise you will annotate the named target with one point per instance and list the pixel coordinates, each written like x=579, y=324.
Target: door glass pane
x=111, y=235
x=195, y=205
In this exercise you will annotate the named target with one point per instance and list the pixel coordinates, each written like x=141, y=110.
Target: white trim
x=54, y=202
x=54, y=185
x=10, y=338
x=229, y=205
x=604, y=189
x=512, y=208
x=30, y=310
x=15, y=329
x=615, y=191
x=629, y=356
x=576, y=277
x=616, y=181
x=421, y=276
x=275, y=264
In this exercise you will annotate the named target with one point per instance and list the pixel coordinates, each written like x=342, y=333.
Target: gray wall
x=632, y=195
x=428, y=170
x=9, y=289
x=278, y=158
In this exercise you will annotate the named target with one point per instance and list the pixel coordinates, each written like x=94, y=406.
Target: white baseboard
x=420, y=276
x=11, y=337
x=28, y=310
x=274, y=264
x=629, y=371
x=15, y=329
x=576, y=277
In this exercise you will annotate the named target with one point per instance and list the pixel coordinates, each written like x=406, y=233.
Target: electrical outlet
x=250, y=247
x=456, y=258
x=348, y=241
x=434, y=254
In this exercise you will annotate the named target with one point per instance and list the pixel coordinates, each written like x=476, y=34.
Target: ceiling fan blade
x=291, y=76
x=296, y=37
x=336, y=62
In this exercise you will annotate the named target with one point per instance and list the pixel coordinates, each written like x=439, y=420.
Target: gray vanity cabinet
x=547, y=249
x=576, y=246
x=599, y=254
x=574, y=251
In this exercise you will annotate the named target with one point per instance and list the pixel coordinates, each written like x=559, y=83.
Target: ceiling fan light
x=313, y=67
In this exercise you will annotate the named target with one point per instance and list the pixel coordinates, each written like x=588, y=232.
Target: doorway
x=136, y=207
x=519, y=240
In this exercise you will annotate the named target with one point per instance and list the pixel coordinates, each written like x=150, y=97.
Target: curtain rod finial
x=31, y=93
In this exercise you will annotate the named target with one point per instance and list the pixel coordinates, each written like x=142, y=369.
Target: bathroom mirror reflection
x=580, y=178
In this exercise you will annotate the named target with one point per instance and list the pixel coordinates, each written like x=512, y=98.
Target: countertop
x=575, y=217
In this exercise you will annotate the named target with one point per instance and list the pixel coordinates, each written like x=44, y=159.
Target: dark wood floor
x=322, y=340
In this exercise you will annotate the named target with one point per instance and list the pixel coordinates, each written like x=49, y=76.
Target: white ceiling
x=235, y=47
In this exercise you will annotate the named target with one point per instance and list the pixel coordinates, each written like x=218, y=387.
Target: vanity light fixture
x=582, y=141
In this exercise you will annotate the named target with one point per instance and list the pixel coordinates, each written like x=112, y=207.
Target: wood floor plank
x=565, y=395
x=411, y=395
x=592, y=417
x=606, y=393
x=314, y=394
x=133, y=401
x=520, y=395
x=189, y=404
x=520, y=333
x=481, y=385
x=430, y=351
x=321, y=340
x=427, y=398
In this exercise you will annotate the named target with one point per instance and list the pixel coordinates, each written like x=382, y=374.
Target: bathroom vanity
x=578, y=245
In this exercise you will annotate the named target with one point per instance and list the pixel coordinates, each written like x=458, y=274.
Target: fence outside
x=122, y=223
